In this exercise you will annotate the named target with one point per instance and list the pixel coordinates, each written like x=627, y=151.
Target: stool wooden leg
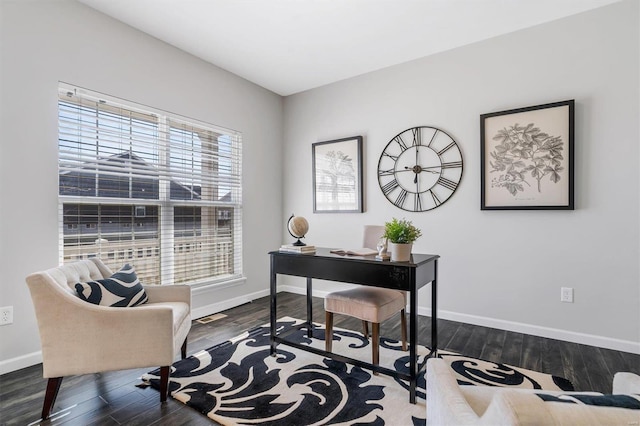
x=365, y=329
x=403, y=324
x=375, y=343
x=328, y=332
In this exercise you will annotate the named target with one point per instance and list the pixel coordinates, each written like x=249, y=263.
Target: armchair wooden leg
x=183, y=349
x=403, y=324
x=328, y=332
x=365, y=329
x=53, y=386
x=375, y=344
x=164, y=382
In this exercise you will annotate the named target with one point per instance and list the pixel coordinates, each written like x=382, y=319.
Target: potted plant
x=401, y=234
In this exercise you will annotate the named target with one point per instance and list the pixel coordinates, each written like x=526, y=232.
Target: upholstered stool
x=369, y=304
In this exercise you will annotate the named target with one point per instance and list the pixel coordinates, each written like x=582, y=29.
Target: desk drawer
x=347, y=270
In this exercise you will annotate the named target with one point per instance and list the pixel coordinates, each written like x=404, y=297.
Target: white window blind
x=149, y=188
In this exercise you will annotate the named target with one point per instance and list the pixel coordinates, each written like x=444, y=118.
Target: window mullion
x=167, y=234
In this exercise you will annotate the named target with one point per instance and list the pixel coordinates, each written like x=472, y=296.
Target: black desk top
x=323, y=252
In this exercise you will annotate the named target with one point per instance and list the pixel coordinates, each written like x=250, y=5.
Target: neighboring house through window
x=150, y=188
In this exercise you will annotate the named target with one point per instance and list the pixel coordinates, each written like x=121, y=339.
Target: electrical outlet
x=566, y=294
x=6, y=315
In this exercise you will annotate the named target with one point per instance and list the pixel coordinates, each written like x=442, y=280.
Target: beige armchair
x=78, y=337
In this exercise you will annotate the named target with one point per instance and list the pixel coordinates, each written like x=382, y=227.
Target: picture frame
x=337, y=175
x=527, y=158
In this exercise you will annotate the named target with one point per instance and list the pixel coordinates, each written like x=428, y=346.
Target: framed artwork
x=527, y=158
x=337, y=176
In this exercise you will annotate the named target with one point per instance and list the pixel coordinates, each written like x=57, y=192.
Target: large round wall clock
x=420, y=169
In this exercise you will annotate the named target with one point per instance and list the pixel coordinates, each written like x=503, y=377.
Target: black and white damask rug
x=238, y=383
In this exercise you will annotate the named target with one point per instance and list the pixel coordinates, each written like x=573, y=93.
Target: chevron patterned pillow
x=122, y=289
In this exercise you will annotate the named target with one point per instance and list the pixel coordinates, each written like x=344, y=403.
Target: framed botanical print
x=337, y=176
x=527, y=158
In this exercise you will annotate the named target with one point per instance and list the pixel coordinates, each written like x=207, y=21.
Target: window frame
x=165, y=204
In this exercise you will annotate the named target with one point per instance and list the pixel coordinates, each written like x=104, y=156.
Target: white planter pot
x=400, y=252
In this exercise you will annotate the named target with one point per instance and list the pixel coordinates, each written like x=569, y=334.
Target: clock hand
x=421, y=169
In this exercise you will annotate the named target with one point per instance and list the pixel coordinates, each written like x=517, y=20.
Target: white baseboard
x=535, y=330
x=214, y=308
x=303, y=291
x=20, y=362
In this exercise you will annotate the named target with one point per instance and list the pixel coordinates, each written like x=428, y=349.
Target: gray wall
x=503, y=268
x=45, y=42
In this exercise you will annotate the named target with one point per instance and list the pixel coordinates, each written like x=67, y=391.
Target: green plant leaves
x=401, y=231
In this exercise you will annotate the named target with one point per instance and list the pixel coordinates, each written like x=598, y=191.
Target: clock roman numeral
x=449, y=184
x=435, y=198
x=389, y=187
x=398, y=139
x=433, y=137
x=417, y=136
x=446, y=148
x=401, y=198
x=389, y=172
x=452, y=165
x=393, y=157
x=417, y=203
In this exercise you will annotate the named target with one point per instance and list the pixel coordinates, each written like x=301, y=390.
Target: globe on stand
x=298, y=228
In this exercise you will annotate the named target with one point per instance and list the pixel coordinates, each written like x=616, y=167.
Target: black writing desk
x=408, y=276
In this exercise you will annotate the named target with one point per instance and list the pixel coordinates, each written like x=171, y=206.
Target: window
x=150, y=188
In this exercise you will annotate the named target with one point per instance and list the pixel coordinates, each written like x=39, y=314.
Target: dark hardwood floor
x=113, y=399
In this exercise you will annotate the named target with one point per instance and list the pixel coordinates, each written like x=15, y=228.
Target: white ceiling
x=289, y=46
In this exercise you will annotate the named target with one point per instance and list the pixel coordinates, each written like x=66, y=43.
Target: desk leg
x=309, y=309
x=434, y=310
x=413, y=338
x=272, y=310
